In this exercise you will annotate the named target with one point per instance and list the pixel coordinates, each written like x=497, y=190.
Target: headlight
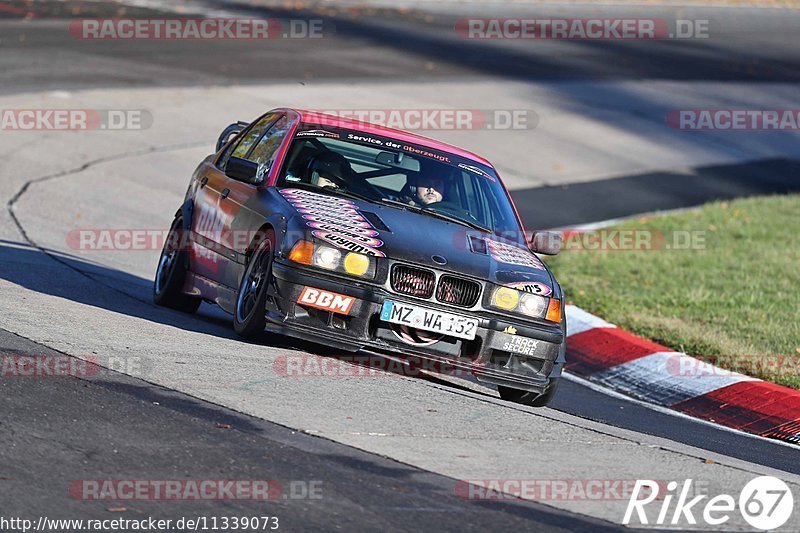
x=330, y=258
x=525, y=303
x=533, y=305
x=327, y=257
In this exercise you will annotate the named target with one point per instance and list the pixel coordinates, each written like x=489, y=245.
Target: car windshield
x=400, y=174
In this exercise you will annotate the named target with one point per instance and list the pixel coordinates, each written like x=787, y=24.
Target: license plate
x=429, y=320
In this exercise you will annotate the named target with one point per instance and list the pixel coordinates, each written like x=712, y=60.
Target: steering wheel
x=340, y=182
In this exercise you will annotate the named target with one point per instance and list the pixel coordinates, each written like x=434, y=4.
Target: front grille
x=458, y=291
x=413, y=281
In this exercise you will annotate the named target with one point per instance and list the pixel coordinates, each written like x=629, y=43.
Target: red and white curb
x=604, y=354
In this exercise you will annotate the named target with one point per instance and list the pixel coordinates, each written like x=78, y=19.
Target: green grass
x=737, y=300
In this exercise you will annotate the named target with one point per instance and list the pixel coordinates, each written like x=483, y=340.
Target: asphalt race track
x=186, y=399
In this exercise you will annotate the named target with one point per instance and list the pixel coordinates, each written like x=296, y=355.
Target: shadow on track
x=581, y=203
x=99, y=286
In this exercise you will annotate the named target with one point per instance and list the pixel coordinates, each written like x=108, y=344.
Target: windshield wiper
x=436, y=214
x=351, y=194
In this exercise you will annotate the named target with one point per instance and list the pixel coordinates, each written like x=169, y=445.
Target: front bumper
x=516, y=354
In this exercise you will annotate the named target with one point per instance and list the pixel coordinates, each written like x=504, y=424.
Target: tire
x=250, y=313
x=171, y=273
x=529, y=398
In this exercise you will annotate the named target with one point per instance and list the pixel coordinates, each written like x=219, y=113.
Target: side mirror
x=241, y=169
x=546, y=242
x=230, y=132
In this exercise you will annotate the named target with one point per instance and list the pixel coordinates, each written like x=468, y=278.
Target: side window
x=243, y=146
x=477, y=200
x=264, y=151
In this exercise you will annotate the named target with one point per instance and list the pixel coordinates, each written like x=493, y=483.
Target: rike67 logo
x=765, y=503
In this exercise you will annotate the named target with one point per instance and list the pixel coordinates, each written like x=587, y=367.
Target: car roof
x=316, y=117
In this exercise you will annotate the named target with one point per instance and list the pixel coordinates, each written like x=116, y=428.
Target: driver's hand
x=326, y=183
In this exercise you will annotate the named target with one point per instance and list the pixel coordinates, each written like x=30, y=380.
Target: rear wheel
x=529, y=398
x=250, y=315
x=171, y=273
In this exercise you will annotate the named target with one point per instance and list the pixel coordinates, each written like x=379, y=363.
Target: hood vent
x=376, y=221
x=477, y=244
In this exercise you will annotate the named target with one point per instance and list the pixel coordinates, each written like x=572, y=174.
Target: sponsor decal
x=346, y=222
x=340, y=241
x=318, y=133
x=347, y=232
x=511, y=330
x=336, y=221
x=360, y=230
x=521, y=345
x=370, y=140
x=431, y=155
x=328, y=301
x=343, y=210
x=512, y=255
x=529, y=286
x=476, y=170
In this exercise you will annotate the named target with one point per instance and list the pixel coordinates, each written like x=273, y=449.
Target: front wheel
x=171, y=273
x=250, y=315
x=529, y=398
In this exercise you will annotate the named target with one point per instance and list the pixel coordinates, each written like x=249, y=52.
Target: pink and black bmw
x=362, y=237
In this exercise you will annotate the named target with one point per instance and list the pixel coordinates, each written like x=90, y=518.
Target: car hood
x=424, y=240
x=420, y=239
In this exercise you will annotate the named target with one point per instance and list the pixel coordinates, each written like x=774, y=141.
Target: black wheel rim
x=166, y=264
x=254, y=282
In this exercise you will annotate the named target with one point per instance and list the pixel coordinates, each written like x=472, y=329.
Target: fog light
x=505, y=298
x=356, y=264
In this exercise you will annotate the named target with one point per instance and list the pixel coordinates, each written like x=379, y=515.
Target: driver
x=429, y=191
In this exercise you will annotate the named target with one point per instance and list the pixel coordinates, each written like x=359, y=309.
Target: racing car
x=367, y=238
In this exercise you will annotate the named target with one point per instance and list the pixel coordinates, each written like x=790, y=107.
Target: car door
x=210, y=257
x=239, y=203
